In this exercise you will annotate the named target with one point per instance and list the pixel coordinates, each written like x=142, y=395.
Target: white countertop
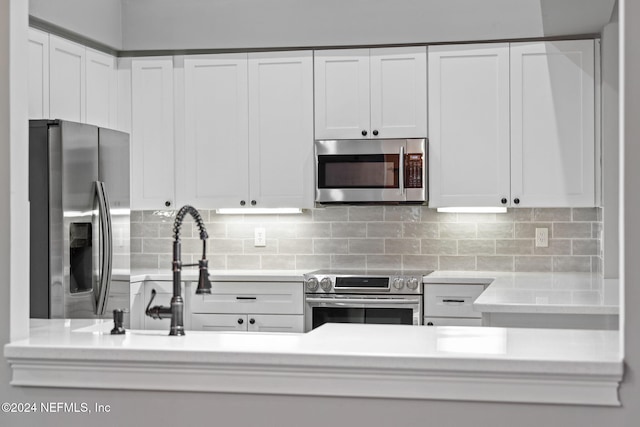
x=559, y=293
x=460, y=363
x=507, y=292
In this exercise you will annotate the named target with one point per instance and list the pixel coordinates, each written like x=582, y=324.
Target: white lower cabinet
x=249, y=306
x=136, y=306
x=452, y=321
x=451, y=304
x=247, y=322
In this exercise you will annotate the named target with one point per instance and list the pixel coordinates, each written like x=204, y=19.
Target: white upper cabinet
x=342, y=94
x=512, y=125
x=399, y=92
x=70, y=81
x=281, y=159
x=152, y=136
x=38, y=74
x=101, y=89
x=552, y=123
x=469, y=125
x=67, y=80
x=216, y=144
x=371, y=93
x=248, y=130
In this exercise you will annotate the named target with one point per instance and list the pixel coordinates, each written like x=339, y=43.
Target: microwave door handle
x=401, y=171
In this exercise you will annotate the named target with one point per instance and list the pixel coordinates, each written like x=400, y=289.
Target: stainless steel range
x=373, y=296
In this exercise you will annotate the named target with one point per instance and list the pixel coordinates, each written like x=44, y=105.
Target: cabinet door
x=219, y=322
x=451, y=300
x=469, y=125
x=152, y=148
x=552, y=123
x=101, y=89
x=38, y=74
x=342, y=94
x=67, y=80
x=216, y=170
x=281, y=160
x=399, y=92
x=275, y=323
x=137, y=307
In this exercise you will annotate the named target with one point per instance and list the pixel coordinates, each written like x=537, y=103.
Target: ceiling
x=160, y=25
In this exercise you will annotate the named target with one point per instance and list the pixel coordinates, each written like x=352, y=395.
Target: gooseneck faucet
x=176, y=310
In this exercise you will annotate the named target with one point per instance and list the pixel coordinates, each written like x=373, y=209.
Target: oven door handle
x=378, y=301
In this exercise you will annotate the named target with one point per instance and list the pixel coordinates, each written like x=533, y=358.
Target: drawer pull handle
x=246, y=298
x=453, y=300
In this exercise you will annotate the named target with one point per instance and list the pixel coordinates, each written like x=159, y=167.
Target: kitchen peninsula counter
x=543, y=293
x=455, y=363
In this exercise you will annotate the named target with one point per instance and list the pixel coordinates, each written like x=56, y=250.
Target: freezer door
x=74, y=243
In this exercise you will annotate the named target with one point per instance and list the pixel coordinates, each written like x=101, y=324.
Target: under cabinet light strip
x=482, y=209
x=261, y=211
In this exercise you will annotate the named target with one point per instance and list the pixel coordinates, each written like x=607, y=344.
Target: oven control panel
x=369, y=282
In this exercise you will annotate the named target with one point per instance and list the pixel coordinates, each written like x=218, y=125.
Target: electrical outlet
x=542, y=237
x=259, y=237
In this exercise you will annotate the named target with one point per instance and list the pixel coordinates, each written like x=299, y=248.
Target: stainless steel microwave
x=371, y=171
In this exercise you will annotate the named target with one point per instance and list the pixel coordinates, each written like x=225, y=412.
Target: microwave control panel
x=413, y=170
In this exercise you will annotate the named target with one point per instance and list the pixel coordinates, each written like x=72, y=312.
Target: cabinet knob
x=242, y=203
x=429, y=323
x=375, y=133
x=252, y=321
x=240, y=321
x=504, y=200
x=253, y=203
x=516, y=201
x=167, y=203
x=364, y=133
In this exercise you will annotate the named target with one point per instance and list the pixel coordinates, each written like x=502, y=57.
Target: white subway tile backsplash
x=477, y=247
x=356, y=237
x=384, y=229
x=533, y=263
x=390, y=262
x=458, y=231
x=402, y=246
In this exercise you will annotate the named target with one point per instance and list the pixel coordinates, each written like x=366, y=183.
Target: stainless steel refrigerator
x=80, y=220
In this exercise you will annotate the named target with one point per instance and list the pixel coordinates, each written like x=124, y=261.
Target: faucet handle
x=153, y=295
x=158, y=311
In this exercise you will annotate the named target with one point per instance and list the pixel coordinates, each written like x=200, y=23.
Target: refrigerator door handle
x=107, y=248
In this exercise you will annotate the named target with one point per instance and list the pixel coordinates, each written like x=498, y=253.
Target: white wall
x=610, y=152
x=159, y=408
x=220, y=24
x=97, y=20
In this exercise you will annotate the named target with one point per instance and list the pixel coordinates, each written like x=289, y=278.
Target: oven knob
x=312, y=284
x=325, y=284
x=412, y=284
x=398, y=282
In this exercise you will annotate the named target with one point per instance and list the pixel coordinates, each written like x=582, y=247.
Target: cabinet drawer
x=452, y=321
x=250, y=322
x=451, y=300
x=219, y=322
x=276, y=323
x=251, y=297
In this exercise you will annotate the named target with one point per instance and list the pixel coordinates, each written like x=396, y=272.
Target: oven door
x=372, y=309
